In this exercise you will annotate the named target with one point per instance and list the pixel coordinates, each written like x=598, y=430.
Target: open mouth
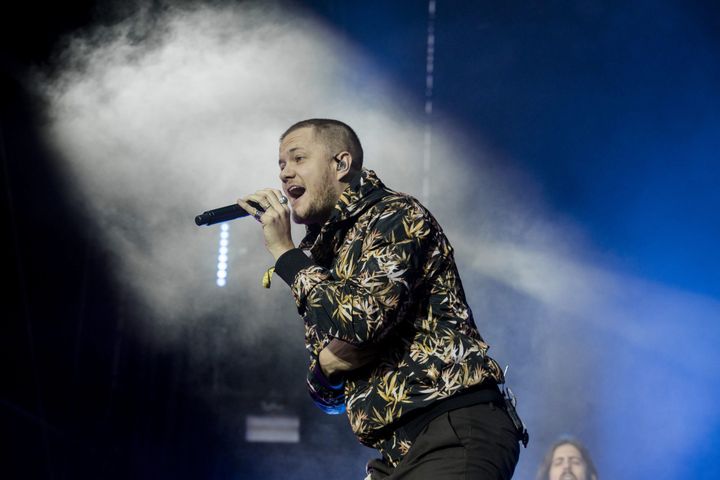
x=295, y=191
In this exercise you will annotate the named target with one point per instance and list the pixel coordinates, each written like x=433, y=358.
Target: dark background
x=612, y=107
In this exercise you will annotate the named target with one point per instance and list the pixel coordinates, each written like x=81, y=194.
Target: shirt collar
x=364, y=190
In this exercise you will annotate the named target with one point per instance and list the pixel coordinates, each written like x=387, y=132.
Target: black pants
x=476, y=442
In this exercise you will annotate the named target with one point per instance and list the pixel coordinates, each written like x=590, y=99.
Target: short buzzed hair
x=338, y=136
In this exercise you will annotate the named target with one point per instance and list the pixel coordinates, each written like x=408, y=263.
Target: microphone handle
x=224, y=214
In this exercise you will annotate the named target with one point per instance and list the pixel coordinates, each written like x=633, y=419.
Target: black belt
x=414, y=421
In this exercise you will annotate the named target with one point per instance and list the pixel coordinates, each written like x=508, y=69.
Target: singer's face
x=568, y=464
x=308, y=176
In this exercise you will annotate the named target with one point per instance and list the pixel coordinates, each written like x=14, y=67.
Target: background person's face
x=567, y=464
x=308, y=176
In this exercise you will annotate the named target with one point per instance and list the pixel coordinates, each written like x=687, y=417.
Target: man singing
x=391, y=338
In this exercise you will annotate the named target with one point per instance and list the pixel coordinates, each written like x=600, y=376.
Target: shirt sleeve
x=368, y=291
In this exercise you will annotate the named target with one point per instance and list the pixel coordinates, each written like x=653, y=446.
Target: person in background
x=567, y=459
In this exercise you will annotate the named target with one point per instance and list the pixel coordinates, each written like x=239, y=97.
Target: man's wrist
x=290, y=263
x=336, y=383
x=278, y=251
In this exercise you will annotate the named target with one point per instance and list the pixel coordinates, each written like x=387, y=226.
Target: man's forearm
x=331, y=364
x=340, y=356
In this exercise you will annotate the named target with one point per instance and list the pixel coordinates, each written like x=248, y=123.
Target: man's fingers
x=269, y=200
x=266, y=207
x=261, y=200
x=252, y=210
x=281, y=198
x=276, y=199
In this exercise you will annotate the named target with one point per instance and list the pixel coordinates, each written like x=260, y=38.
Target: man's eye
x=297, y=159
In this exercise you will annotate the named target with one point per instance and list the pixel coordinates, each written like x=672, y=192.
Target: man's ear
x=344, y=165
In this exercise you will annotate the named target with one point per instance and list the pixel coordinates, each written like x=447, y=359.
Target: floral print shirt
x=381, y=274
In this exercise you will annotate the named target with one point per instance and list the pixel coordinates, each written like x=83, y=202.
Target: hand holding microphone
x=269, y=207
x=230, y=212
x=274, y=215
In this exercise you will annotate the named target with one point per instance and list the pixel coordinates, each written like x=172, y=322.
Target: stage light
x=222, y=258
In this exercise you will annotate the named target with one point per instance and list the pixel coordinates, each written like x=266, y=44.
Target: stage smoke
x=174, y=111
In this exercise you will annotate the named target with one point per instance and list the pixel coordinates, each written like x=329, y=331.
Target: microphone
x=231, y=212
x=223, y=214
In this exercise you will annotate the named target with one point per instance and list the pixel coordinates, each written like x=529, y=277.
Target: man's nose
x=286, y=172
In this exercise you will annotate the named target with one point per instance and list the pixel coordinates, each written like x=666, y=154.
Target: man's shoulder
x=398, y=208
x=399, y=202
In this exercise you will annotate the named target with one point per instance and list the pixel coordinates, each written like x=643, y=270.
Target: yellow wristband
x=267, y=277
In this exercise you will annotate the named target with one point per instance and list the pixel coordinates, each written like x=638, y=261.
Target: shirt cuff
x=289, y=264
